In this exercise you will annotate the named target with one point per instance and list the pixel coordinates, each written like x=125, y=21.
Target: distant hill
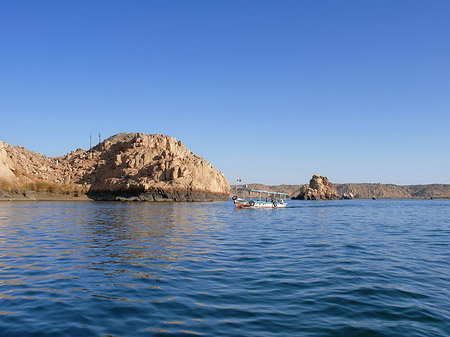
x=369, y=190
x=391, y=191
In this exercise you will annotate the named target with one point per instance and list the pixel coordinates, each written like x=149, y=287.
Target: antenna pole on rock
x=90, y=142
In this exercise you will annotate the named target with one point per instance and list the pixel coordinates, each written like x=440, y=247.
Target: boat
x=260, y=199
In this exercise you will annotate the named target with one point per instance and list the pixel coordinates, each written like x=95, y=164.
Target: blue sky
x=275, y=91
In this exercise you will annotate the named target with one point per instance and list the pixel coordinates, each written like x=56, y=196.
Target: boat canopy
x=261, y=191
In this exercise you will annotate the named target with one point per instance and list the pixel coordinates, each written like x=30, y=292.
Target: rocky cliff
x=127, y=166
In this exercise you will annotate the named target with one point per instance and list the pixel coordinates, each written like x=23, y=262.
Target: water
x=339, y=268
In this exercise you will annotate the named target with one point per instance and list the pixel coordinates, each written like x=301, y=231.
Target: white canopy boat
x=260, y=199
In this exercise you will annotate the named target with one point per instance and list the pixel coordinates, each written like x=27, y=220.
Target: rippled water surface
x=339, y=268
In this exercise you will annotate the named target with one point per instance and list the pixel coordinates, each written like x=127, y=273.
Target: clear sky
x=275, y=91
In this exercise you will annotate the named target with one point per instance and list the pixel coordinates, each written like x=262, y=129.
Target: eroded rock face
x=319, y=188
x=19, y=165
x=6, y=174
x=134, y=166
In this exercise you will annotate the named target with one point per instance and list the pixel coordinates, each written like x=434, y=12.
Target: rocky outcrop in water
x=127, y=166
x=319, y=188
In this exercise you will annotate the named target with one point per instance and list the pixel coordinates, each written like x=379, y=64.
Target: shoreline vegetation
x=43, y=191
x=40, y=191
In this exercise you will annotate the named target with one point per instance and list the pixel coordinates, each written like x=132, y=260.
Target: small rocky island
x=125, y=167
x=319, y=188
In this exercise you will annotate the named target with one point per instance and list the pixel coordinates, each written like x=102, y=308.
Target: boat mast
x=238, y=180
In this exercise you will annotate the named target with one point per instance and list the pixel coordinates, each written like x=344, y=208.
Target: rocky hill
x=127, y=166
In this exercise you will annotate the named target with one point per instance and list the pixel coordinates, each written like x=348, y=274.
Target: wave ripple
x=341, y=268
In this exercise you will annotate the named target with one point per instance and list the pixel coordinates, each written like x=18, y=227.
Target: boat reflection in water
x=260, y=199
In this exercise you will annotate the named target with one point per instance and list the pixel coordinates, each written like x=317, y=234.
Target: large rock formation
x=133, y=166
x=319, y=188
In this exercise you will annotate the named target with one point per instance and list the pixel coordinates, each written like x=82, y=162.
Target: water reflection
x=160, y=232
x=100, y=242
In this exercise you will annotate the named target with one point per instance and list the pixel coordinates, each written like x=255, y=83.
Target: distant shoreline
x=360, y=191
x=368, y=190
x=84, y=198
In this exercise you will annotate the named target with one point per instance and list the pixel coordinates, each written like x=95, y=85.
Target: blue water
x=338, y=268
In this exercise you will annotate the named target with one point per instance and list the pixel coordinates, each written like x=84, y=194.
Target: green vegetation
x=6, y=186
